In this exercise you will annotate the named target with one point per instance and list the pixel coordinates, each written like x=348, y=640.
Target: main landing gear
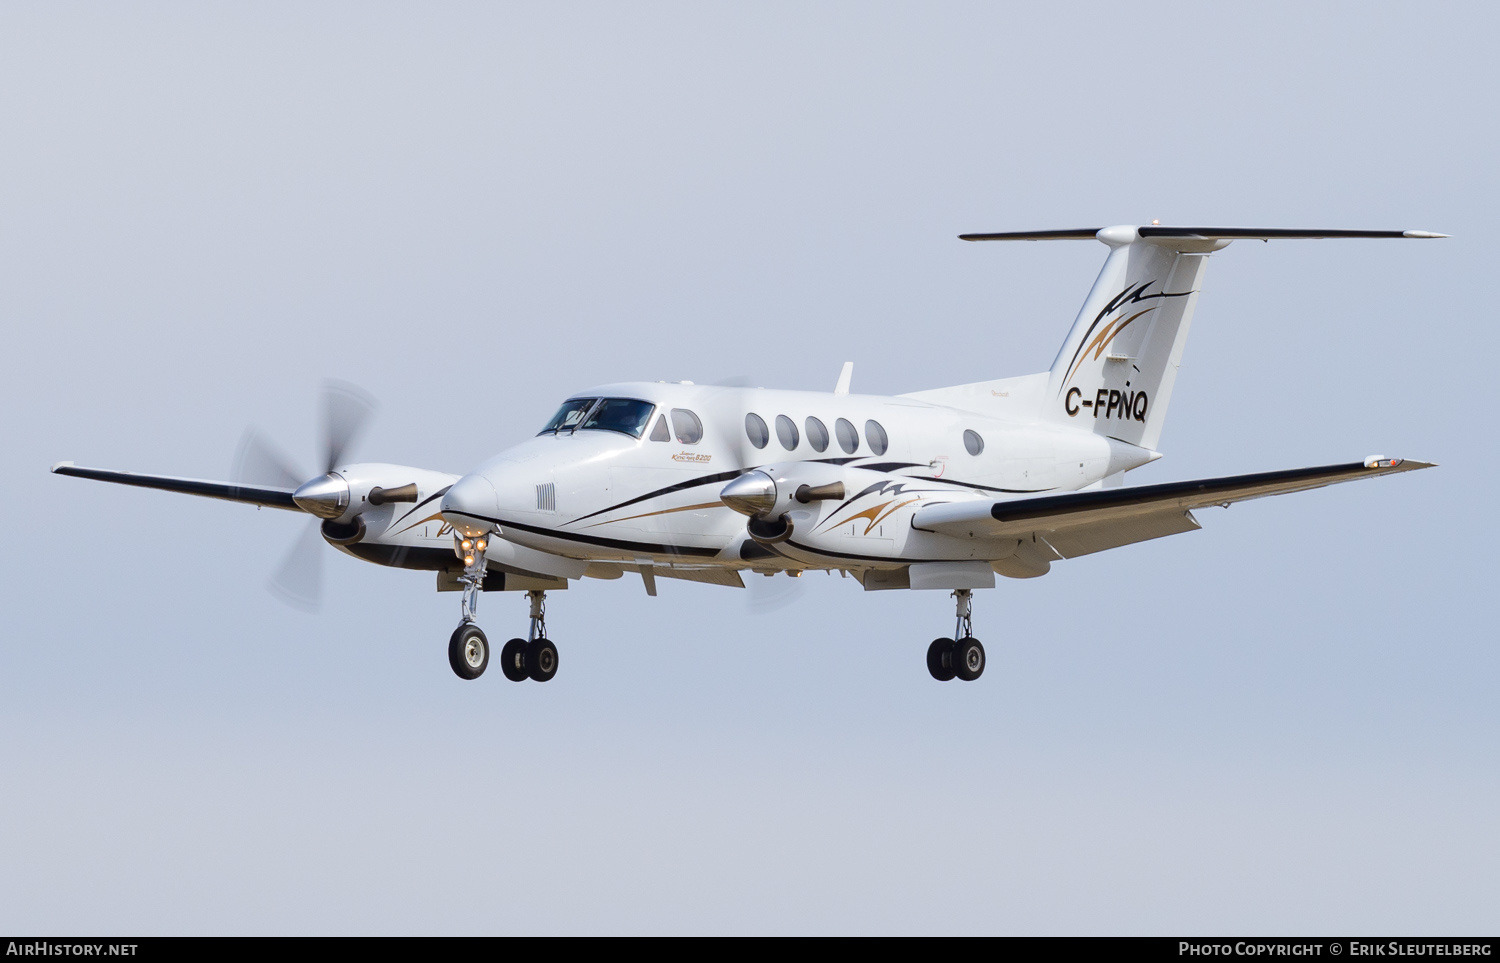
x=533, y=657
x=961, y=656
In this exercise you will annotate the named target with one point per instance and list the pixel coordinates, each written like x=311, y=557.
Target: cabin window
x=756, y=430
x=875, y=437
x=786, y=432
x=625, y=415
x=817, y=434
x=689, y=429
x=972, y=442
x=569, y=415
x=847, y=436
x=660, y=432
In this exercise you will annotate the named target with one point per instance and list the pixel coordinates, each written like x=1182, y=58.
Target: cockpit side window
x=689, y=429
x=625, y=415
x=570, y=415
x=660, y=432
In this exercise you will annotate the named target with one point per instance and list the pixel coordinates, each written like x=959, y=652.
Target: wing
x=1080, y=523
x=254, y=495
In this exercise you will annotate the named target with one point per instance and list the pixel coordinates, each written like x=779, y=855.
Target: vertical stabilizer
x=1115, y=371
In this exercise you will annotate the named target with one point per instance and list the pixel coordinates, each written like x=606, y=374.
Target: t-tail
x=1115, y=371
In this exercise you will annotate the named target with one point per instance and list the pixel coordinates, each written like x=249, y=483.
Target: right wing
x=1080, y=523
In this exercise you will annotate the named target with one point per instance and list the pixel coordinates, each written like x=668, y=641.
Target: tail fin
x=1115, y=371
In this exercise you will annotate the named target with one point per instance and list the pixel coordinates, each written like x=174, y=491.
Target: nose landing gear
x=962, y=656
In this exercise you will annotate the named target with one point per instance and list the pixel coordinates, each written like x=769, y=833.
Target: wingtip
x=1422, y=234
x=1404, y=464
x=62, y=464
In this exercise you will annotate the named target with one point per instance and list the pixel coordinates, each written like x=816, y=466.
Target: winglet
x=842, y=388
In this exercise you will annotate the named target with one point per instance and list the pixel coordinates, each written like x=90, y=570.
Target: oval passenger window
x=786, y=432
x=848, y=437
x=875, y=437
x=689, y=429
x=756, y=430
x=817, y=434
x=973, y=442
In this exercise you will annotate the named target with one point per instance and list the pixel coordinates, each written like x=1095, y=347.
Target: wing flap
x=1087, y=539
x=1114, y=510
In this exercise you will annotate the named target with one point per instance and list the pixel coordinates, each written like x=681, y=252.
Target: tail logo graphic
x=1096, y=339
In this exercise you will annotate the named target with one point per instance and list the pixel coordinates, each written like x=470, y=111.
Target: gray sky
x=1284, y=723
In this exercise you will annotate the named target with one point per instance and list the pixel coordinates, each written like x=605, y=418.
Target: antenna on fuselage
x=842, y=388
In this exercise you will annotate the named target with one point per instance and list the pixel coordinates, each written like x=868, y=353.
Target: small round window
x=875, y=437
x=755, y=428
x=786, y=432
x=687, y=426
x=817, y=434
x=973, y=442
x=848, y=437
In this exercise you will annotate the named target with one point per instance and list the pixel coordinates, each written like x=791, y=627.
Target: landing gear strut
x=534, y=657
x=468, y=649
x=962, y=656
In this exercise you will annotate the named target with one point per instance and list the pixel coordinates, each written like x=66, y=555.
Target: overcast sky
x=1284, y=723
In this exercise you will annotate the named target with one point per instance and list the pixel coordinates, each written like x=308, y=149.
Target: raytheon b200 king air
x=942, y=489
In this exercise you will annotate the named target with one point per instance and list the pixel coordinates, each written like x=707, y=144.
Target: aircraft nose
x=470, y=505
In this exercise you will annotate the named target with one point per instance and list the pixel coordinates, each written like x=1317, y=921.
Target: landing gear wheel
x=968, y=658
x=940, y=660
x=541, y=660
x=468, y=651
x=513, y=660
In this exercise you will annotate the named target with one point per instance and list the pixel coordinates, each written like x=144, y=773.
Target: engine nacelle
x=773, y=495
x=773, y=490
x=345, y=494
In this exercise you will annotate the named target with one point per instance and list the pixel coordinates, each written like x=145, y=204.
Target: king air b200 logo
x=1112, y=402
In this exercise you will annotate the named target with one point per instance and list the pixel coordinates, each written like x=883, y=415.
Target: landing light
x=466, y=544
x=468, y=560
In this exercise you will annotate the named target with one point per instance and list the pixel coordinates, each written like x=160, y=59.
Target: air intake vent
x=546, y=497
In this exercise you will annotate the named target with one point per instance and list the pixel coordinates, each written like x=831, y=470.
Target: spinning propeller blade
x=765, y=596
x=258, y=462
x=299, y=580
x=345, y=411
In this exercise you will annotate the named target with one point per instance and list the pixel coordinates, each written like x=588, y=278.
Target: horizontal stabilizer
x=1196, y=233
x=253, y=495
x=1079, y=511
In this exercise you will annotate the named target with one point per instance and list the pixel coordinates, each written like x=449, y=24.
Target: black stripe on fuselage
x=437, y=494
x=648, y=548
x=679, y=487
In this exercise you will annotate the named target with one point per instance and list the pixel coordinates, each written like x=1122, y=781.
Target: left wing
x=251, y=494
x=1080, y=523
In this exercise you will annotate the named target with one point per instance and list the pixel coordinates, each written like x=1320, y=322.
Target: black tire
x=968, y=659
x=541, y=660
x=513, y=660
x=468, y=651
x=940, y=659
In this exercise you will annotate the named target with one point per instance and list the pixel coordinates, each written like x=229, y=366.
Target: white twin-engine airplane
x=939, y=489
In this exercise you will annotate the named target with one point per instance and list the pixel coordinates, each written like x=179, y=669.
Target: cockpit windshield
x=570, y=414
x=625, y=415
